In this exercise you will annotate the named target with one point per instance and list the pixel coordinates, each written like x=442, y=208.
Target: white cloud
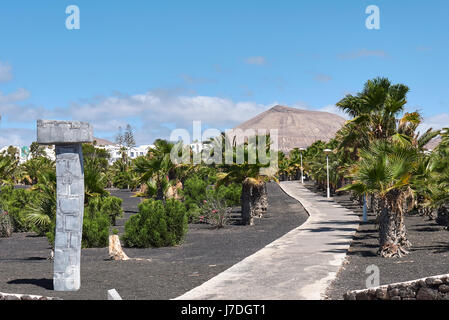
x=16, y=136
x=152, y=113
x=256, y=60
x=435, y=122
x=5, y=72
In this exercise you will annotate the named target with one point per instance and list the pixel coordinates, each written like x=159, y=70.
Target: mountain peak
x=296, y=127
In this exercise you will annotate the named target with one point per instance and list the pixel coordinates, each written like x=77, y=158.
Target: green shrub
x=215, y=211
x=197, y=188
x=230, y=194
x=111, y=206
x=15, y=202
x=194, y=194
x=157, y=224
x=95, y=229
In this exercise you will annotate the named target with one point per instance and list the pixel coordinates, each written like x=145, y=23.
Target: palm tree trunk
x=387, y=230
x=443, y=216
x=257, y=199
x=264, y=199
x=392, y=232
x=246, y=203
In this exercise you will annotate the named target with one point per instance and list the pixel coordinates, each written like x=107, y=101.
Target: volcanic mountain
x=296, y=128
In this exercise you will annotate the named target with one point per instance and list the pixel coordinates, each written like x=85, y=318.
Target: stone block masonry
x=432, y=288
x=67, y=137
x=14, y=296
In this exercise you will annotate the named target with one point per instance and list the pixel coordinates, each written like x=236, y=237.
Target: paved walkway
x=300, y=265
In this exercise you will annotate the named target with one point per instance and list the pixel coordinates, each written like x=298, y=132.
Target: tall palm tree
x=386, y=169
x=254, y=199
x=374, y=110
x=432, y=182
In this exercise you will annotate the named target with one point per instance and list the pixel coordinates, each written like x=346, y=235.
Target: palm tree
x=295, y=163
x=29, y=170
x=376, y=107
x=386, y=169
x=254, y=199
x=41, y=214
x=284, y=168
x=8, y=167
x=432, y=182
x=155, y=170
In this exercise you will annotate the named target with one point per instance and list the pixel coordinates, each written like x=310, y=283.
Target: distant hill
x=296, y=128
x=103, y=142
x=433, y=143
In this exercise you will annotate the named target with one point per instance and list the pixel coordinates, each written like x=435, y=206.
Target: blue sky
x=159, y=65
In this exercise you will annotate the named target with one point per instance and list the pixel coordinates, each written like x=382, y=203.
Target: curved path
x=299, y=265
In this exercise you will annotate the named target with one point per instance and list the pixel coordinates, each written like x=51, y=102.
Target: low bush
x=230, y=194
x=16, y=202
x=196, y=189
x=215, y=211
x=6, y=227
x=157, y=224
x=111, y=206
x=194, y=193
x=95, y=229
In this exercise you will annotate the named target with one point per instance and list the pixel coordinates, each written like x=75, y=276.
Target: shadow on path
x=44, y=283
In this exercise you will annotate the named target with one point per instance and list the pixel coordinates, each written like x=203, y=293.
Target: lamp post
x=327, y=151
x=302, y=170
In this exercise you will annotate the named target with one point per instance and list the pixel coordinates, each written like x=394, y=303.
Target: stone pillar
x=67, y=136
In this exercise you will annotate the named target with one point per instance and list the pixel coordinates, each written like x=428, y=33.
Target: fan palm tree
x=295, y=163
x=432, y=182
x=386, y=169
x=374, y=110
x=254, y=199
x=8, y=167
x=156, y=168
x=29, y=170
x=41, y=214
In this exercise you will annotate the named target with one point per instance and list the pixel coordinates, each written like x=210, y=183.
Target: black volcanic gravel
x=172, y=271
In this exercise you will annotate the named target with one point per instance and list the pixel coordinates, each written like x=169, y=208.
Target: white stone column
x=67, y=138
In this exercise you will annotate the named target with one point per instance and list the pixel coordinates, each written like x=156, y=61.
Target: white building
x=113, y=149
x=24, y=152
x=116, y=151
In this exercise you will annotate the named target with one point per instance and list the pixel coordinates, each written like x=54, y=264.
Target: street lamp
x=302, y=170
x=327, y=151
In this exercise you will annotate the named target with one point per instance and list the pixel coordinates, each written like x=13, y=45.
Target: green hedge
x=15, y=202
x=95, y=228
x=196, y=189
x=157, y=224
x=111, y=206
x=194, y=193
